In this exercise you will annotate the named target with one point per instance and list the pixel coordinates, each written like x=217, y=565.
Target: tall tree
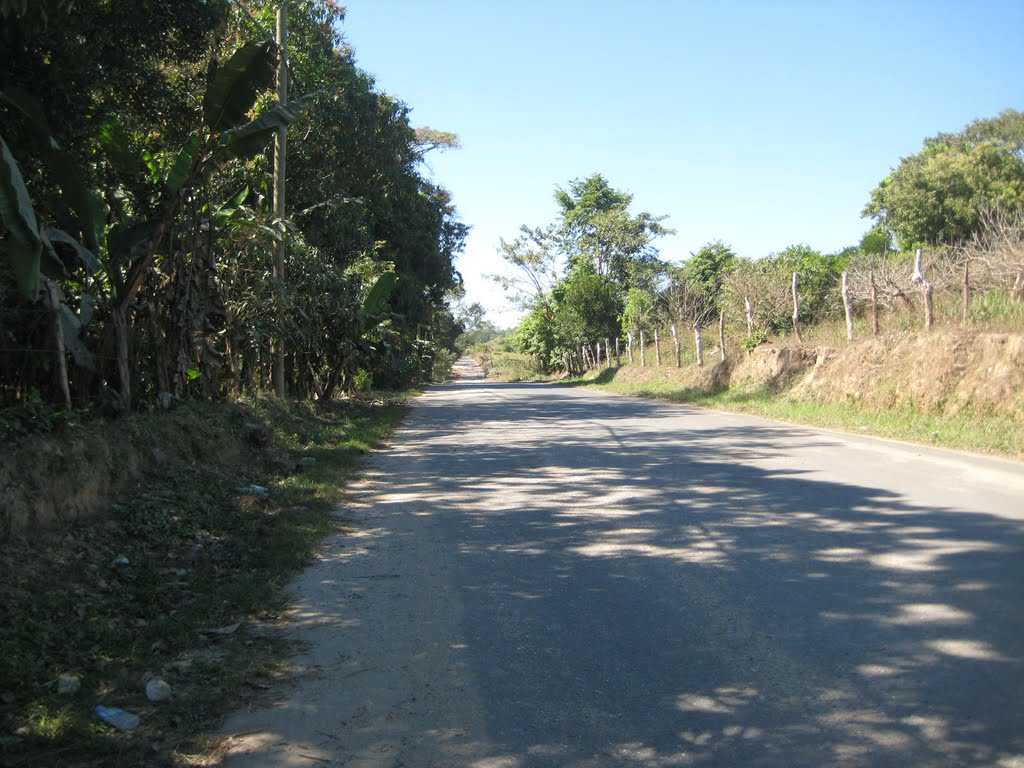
x=938, y=195
x=596, y=228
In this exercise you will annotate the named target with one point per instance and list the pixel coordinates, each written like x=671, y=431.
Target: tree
x=596, y=228
x=533, y=255
x=937, y=196
x=152, y=211
x=587, y=307
x=476, y=329
x=703, y=273
x=639, y=312
x=608, y=254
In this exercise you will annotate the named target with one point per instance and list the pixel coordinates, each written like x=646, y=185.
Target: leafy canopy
x=938, y=195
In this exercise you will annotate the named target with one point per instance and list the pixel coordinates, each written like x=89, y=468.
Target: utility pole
x=280, y=156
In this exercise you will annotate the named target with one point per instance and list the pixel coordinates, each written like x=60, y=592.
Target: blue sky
x=759, y=124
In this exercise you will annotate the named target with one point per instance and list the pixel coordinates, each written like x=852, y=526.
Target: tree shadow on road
x=641, y=598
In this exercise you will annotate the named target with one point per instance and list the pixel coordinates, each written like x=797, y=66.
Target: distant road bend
x=552, y=576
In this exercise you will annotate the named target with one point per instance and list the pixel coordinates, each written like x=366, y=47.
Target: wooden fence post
x=874, y=304
x=675, y=343
x=629, y=345
x=608, y=352
x=657, y=348
x=643, y=350
x=750, y=315
x=618, y=359
x=926, y=288
x=966, y=292
x=1018, y=288
x=796, y=307
x=699, y=343
x=848, y=306
x=721, y=333
x=60, y=358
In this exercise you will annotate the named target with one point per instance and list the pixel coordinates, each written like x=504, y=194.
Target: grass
x=502, y=364
x=991, y=311
x=200, y=556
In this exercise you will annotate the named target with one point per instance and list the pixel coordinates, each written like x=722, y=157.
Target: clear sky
x=762, y=124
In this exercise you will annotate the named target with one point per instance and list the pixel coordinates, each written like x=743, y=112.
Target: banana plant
x=376, y=301
x=126, y=249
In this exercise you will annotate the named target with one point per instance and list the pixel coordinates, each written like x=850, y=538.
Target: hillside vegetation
x=952, y=389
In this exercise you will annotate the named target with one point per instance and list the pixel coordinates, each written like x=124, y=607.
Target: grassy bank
x=178, y=581
x=984, y=433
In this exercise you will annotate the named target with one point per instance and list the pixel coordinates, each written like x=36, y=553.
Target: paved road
x=550, y=576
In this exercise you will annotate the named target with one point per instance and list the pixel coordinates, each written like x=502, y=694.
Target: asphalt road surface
x=551, y=576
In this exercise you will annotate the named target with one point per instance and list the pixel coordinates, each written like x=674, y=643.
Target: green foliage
x=597, y=230
x=33, y=415
x=246, y=141
x=444, y=359
x=376, y=299
x=819, y=277
x=476, y=329
x=24, y=243
x=139, y=214
x=248, y=72
x=362, y=381
x=537, y=336
x=587, y=307
x=609, y=256
x=753, y=340
x=705, y=269
x=640, y=311
x=938, y=195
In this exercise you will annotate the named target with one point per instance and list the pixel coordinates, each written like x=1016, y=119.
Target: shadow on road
x=694, y=597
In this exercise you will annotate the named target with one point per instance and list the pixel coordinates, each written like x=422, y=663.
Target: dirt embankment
x=942, y=372
x=72, y=474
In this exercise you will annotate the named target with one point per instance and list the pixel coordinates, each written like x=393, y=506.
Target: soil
x=943, y=372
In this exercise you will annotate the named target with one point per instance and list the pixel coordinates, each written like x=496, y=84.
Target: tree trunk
x=657, y=348
x=874, y=304
x=643, y=350
x=848, y=306
x=699, y=343
x=123, y=373
x=796, y=307
x=675, y=343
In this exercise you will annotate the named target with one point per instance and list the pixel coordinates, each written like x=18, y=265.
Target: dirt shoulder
x=173, y=533
x=949, y=388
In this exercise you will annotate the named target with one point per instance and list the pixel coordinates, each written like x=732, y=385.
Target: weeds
x=114, y=601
